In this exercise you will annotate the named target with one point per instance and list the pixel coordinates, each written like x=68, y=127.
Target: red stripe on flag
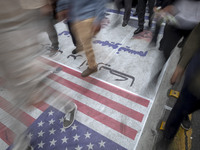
x=104, y=119
x=6, y=134
x=99, y=98
x=15, y=112
x=101, y=84
x=41, y=106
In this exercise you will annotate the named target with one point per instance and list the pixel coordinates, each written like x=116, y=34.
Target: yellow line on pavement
x=182, y=140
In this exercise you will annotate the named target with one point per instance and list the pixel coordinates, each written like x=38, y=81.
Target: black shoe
x=55, y=52
x=88, y=71
x=140, y=29
x=186, y=124
x=29, y=148
x=74, y=51
x=180, y=45
x=135, y=13
x=124, y=23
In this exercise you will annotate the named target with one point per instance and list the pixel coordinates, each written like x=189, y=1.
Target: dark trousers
x=141, y=9
x=187, y=103
x=156, y=32
x=171, y=36
x=47, y=22
x=71, y=32
x=127, y=5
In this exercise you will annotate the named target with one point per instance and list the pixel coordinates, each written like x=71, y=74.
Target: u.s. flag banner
x=48, y=133
x=113, y=104
x=108, y=117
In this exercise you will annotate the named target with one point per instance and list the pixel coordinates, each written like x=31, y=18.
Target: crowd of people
x=21, y=21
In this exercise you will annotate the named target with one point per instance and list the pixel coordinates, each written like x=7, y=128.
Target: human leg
x=85, y=34
x=141, y=7
x=170, y=38
x=151, y=4
x=127, y=13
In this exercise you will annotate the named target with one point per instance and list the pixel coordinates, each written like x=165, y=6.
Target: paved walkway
x=115, y=105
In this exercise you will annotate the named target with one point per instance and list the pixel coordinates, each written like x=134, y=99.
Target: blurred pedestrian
x=189, y=100
x=24, y=75
x=186, y=14
x=159, y=17
x=46, y=20
x=86, y=17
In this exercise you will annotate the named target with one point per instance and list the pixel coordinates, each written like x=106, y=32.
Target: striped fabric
x=109, y=111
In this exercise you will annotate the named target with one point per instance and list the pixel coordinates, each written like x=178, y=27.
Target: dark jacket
x=191, y=51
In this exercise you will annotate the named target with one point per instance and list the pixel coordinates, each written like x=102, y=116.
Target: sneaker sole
x=70, y=123
x=184, y=127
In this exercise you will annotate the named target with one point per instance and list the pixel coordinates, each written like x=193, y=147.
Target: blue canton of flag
x=48, y=133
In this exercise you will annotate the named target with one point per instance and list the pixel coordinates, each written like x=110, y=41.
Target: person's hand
x=178, y=73
x=62, y=15
x=46, y=10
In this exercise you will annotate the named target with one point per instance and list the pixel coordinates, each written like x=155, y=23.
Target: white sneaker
x=70, y=117
x=29, y=148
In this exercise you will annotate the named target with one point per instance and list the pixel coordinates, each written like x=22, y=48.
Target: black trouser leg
x=71, y=32
x=151, y=4
x=171, y=36
x=141, y=7
x=127, y=13
x=186, y=33
x=119, y=4
x=156, y=32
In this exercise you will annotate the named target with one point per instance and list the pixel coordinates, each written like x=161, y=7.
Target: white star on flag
x=87, y=135
x=90, y=146
x=63, y=129
x=102, y=143
x=74, y=127
x=52, y=131
x=76, y=137
x=53, y=142
x=51, y=121
x=78, y=148
x=50, y=113
x=61, y=119
x=30, y=135
x=64, y=140
x=41, y=144
x=40, y=124
x=40, y=133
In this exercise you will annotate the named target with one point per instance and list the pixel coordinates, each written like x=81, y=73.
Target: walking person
x=86, y=17
x=189, y=100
